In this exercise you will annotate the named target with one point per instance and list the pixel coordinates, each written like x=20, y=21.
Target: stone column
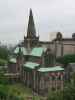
x=62, y=82
x=24, y=76
x=34, y=73
x=56, y=82
x=28, y=79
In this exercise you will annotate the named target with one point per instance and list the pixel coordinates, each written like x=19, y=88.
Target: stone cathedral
x=33, y=61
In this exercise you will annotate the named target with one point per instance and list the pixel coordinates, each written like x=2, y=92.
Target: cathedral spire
x=31, y=32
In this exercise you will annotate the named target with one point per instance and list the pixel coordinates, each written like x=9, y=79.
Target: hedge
x=66, y=59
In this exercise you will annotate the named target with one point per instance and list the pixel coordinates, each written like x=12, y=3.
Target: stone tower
x=20, y=60
x=31, y=39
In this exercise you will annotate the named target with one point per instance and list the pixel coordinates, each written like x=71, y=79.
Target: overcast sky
x=49, y=16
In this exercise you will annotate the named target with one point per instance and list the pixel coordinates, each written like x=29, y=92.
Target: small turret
x=73, y=36
x=20, y=60
x=59, y=36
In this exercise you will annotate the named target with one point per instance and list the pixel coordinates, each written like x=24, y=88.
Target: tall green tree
x=4, y=52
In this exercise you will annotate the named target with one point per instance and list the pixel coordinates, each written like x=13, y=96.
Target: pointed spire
x=31, y=32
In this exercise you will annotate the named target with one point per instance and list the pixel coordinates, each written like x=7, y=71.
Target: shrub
x=66, y=59
x=3, y=62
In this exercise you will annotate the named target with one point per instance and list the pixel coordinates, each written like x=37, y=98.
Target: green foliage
x=3, y=79
x=3, y=90
x=66, y=59
x=3, y=62
x=55, y=95
x=4, y=52
x=5, y=93
x=16, y=92
x=68, y=93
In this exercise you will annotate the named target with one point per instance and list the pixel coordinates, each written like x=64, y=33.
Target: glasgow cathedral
x=33, y=62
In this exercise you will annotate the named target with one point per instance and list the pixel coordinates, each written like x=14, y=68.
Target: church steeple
x=31, y=40
x=31, y=32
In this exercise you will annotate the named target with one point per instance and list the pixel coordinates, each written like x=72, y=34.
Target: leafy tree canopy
x=4, y=52
x=66, y=59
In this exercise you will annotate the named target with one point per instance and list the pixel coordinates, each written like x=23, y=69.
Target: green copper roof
x=38, y=51
x=31, y=65
x=24, y=51
x=51, y=69
x=12, y=60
